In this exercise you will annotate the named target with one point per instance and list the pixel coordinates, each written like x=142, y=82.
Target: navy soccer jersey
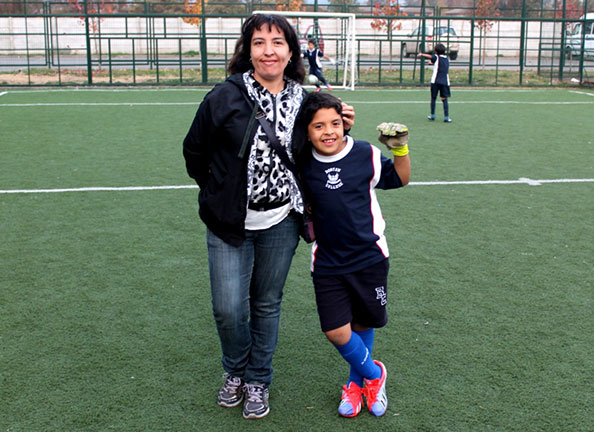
x=348, y=222
x=313, y=57
x=441, y=67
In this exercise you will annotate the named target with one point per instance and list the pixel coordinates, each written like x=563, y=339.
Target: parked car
x=413, y=42
x=573, y=38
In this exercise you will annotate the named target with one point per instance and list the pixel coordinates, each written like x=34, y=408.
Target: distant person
x=440, y=80
x=350, y=255
x=313, y=56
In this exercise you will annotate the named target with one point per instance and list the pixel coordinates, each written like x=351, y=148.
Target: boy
x=440, y=80
x=350, y=255
x=313, y=55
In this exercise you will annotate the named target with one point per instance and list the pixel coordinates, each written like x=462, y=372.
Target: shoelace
x=232, y=384
x=371, y=392
x=254, y=393
x=351, y=394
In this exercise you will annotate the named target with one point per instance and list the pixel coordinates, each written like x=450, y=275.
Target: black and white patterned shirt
x=269, y=181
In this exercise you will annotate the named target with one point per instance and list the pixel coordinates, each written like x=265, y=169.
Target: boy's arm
x=402, y=167
x=427, y=56
x=324, y=56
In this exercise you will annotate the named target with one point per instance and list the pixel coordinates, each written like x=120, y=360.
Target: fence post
x=522, y=40
x=88, y=40
x=203, y=53
x=562, y=53
x=47, y=39
x=583, y=53
x=424, y=41
x=471, y=56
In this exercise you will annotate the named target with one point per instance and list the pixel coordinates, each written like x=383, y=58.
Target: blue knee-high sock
x=432, y=106
x=446, y=108
x=357, y=355
x=367, y=337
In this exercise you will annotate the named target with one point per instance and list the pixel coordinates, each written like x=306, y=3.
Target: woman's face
x=270, y=54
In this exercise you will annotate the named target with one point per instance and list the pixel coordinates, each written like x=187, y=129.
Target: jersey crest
x=333, y=178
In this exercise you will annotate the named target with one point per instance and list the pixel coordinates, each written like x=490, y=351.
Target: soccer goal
x=335, y=36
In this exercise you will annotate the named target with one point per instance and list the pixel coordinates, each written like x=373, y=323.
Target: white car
x=413, y=43
x=578, y=31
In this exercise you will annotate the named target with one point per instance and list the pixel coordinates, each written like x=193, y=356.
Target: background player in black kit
x=440, y=80
x=313, y=56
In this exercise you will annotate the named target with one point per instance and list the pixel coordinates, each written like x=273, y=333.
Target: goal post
x=336, y=32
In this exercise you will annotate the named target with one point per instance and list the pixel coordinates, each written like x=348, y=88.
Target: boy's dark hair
x=313, y=102
x=440, y=49
x=240, y=62
x=312, y=41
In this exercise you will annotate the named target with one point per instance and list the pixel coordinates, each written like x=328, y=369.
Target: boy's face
x=326, y=132
x=310, y=46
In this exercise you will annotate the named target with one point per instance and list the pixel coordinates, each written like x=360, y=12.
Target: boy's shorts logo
x=334, y=181
x=381, y=295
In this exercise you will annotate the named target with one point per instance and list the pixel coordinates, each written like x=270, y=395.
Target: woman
x=248, y=200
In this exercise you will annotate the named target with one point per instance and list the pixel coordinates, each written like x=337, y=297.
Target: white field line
x=82, y=104
x=113, y=90
x=522, y=180
x=208, y=88
x=582, y=93
x=96, y=189
x=476, y=102
x=99, y=104
x=3, y=93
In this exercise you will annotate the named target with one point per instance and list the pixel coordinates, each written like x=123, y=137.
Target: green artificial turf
x=105, y=316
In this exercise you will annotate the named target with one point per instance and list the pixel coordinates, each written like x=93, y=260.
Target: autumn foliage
x=389, y=9
x=289, y=5
x=573, y=10
x=195, y=8
x=486, y=8
x=92, y=8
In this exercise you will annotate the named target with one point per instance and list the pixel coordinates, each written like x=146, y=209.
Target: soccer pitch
x=105, y=317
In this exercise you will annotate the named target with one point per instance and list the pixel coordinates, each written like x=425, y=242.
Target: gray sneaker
x=231, y=394
x=256, y=401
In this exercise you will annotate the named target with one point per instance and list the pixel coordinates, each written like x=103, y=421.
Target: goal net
x=335, y=36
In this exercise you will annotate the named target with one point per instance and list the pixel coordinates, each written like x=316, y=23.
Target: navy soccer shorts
x=358, y=297
x=442, y=89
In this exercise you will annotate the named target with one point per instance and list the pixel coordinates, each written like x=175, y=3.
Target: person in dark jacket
x=248, y=201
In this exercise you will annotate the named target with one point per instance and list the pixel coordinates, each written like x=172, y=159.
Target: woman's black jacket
x=217, y=160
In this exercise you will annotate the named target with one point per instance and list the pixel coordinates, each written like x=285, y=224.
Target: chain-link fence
x=78, y=42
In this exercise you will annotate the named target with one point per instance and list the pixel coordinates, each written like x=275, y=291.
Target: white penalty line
x=96, y=189
x=582, y=93
x=115, y=104
x=62, y=104
x=522, y=180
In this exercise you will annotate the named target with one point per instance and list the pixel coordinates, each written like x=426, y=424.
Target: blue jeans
x=247, y=288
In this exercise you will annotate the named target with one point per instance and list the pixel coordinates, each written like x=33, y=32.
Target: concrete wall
x=68, y=34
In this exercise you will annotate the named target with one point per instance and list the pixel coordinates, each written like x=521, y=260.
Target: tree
x=341, y=5
x=485, y=9
x=95, y=7
x=193, y=7
x=289, y=5
x=573, y=10
x=387, y=11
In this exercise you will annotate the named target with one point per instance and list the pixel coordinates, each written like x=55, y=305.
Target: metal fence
x=79, y=42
